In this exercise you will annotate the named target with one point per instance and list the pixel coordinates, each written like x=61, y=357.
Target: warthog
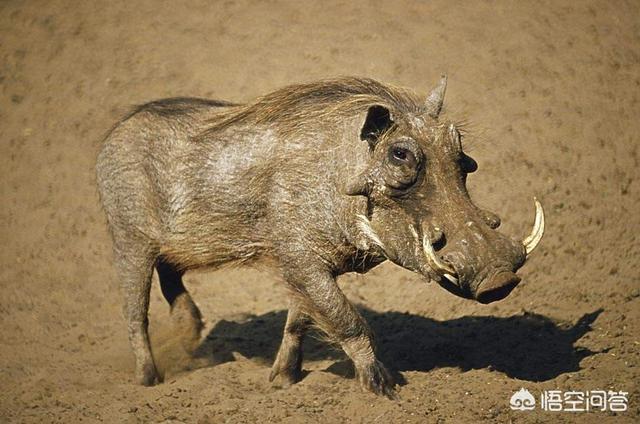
x=318, y=179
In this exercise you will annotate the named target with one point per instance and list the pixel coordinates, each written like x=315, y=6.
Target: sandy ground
x=551, y=90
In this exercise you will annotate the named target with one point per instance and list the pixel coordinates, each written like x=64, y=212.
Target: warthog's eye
x=402, y=166
x=402, y=156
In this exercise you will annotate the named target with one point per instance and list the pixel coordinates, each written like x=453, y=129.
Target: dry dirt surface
x=551, y=92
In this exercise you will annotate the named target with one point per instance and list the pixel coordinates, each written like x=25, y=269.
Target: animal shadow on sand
x=528, y=346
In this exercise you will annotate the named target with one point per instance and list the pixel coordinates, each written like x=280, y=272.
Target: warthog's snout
x=478, y=262
x=491, y=289
x=496, y=288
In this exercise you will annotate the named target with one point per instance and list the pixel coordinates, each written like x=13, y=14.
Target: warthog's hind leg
x=134, y=259
x=185, y=315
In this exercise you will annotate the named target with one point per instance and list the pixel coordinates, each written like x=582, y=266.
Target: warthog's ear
x=377, y=122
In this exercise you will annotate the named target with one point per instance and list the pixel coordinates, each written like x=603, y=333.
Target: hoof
x=288, y=365
x=288, y=376
x=375, y=378
x=149, y=376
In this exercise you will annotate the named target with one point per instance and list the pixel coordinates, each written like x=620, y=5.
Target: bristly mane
x=294, y=105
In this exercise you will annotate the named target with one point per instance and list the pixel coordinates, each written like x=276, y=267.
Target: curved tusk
x=365, y=226
x=451, y=278
x=534, y=238
x=434, y=262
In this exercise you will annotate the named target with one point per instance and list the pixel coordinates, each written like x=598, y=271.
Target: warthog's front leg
x=320, y=298
x=288, y=362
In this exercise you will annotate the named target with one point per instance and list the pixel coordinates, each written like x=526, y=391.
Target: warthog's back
x=156, y=180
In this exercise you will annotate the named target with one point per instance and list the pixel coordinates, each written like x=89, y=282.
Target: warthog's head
x=420, y=214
